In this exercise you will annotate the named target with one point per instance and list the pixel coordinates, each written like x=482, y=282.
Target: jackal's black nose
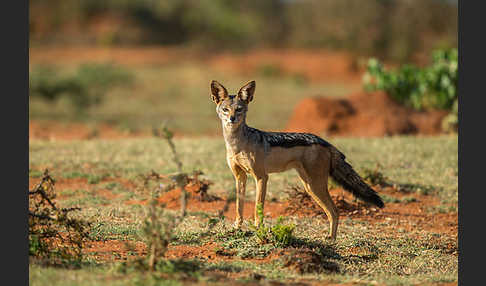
x=232, y=118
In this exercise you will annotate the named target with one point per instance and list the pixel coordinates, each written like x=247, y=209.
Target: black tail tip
x=375, y=200
x=378, y=202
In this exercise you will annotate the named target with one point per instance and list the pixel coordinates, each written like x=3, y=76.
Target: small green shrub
x=280, y=235
x=431, y=87
x=261, y=231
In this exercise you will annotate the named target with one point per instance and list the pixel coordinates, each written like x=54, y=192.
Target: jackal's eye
x=239, y=109
x=225, y=109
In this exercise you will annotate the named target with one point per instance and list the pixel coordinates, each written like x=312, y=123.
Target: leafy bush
x=431, y=87
x=280, y=235
x=261, y=231
x=451, y=121
x=85, y=88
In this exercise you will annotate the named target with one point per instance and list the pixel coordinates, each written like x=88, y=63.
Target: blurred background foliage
x=392, y=30
x=84, y=88
x=122, y=62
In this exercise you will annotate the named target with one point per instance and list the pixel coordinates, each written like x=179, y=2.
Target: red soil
x=315, y=65
x=105, y=250
x=209, y=251
x=58, y=131
x=410, y=216
x=399, y=217
x=362, y=115
x=119, y=55
x=55, y=130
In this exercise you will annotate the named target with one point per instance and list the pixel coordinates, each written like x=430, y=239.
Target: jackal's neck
x=235, y=137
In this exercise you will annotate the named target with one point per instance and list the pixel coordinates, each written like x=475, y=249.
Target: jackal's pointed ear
x=218, y=92
x=247, y=91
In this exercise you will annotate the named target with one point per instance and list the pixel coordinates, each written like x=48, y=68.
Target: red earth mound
x=362, y=115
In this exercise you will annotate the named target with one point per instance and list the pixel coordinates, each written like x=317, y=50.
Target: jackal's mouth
x=232, y=124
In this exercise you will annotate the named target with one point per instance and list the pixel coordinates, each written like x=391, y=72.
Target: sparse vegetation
x=158, y=226
x=122, y=109
x=55, y=237
x=84, y=88
x=365, y=251
x=112, y=180
x=139, y=211
x=157, y=233
x=375, y=176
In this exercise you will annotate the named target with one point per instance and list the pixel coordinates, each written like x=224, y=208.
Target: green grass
x=179, y=94
x=91, y=178
x=391, y=199
x=421, y=163
x=92, y=275
x=364, y=252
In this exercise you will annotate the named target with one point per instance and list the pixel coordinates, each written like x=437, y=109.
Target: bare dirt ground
x=60, y=131
x=55, y=130
x=414, y=214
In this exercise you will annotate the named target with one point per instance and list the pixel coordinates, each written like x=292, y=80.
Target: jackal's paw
x=237, y=224
x=330, y=238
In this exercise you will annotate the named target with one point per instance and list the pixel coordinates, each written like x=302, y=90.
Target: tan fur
x=247, y=155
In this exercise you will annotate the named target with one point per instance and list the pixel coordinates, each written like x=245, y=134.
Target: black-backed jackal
x=249, y=150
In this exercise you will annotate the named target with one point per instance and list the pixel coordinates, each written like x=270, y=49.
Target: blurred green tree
x=389, y=29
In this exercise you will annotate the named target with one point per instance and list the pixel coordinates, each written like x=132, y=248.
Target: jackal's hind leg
x=316, y=186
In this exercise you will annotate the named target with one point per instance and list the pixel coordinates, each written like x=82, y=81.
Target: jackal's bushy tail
x=344, y=174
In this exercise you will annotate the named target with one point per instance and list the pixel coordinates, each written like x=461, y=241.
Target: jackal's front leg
x=261, y=190
x=240, y=177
